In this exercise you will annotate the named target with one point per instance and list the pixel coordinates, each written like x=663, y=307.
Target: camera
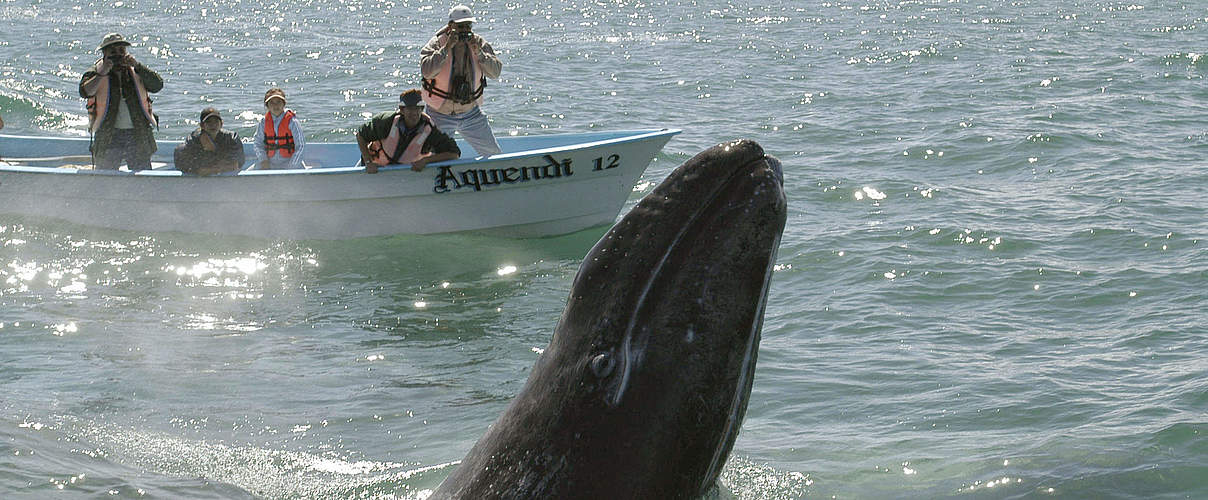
x=462, y=92
x=465, y=36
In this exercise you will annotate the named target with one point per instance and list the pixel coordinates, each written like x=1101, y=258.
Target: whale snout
x=774, y=166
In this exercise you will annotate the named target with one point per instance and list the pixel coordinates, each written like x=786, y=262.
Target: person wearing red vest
x=402, y=137
x=279, y=142
x=118, y=89
x=455, y=65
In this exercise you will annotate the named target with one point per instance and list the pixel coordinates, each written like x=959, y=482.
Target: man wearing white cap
x=455, y=65
x=117, y=90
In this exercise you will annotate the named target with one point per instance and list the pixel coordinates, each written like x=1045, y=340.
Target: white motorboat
x=540, y=185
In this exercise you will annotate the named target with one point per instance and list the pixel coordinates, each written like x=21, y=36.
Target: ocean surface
x=993, y=282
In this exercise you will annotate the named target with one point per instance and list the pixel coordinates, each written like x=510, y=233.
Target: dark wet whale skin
x=644, y=385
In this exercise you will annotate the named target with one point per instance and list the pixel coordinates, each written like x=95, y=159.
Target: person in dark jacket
x=402, y=137
x=210, y=150
x=118, y=89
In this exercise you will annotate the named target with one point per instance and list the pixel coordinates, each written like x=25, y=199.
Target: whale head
x=643, y=387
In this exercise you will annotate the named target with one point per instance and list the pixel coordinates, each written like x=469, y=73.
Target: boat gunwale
x=630, y=136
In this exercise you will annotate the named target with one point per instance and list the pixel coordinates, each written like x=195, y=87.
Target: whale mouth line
x=628, y=354
x=746, y=376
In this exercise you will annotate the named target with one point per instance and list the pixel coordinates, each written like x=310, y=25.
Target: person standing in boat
x=210, y=150
x=279, y=141
x=118, y=89
x=455, y=65
x=406, y=136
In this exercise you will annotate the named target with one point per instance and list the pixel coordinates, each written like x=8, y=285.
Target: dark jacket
x=120, y=83
x=378, y=128
x=191, y=156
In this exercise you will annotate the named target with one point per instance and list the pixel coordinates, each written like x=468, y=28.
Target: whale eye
x=602, y=364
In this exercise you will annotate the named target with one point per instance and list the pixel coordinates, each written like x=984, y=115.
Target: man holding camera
x=455, y=65
x=119, y=107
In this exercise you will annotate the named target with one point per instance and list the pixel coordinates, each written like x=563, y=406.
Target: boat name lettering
x=447, y=180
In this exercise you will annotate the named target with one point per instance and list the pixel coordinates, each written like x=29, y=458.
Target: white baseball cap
x=461, y=14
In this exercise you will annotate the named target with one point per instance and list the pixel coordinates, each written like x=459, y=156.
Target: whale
x=643, y=387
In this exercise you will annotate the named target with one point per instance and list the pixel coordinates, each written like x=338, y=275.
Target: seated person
x=406, y=136
x=210, y=150
x=279, y=141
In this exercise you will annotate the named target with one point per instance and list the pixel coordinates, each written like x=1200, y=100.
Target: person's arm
x=433, y=54
x=488, y=61
x=258, y=144
x=187, y=155
x=299, y=143
x=1, y=123
x=371, y=167
x=440, y=142
x=92, y=77
x=418, y=165
x=211, y=154
x=227, y=155
x=233, y=159
x=370, y=132
x=241, y=156
x=208, y=155
x=363, y=140
x=151, y=80
x=437, y=147
x=89, y=82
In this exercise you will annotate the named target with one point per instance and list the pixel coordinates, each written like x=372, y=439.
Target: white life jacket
x=383, y=149
x=98, y=108
x=440, y=88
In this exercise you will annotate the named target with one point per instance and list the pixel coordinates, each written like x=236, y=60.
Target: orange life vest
x=440, y=88
x=383, y=151
x=98, y=108
x=282, y=141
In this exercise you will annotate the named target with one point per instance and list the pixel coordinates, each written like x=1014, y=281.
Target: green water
x=991, y=284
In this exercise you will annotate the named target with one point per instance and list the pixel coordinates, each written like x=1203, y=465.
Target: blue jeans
x=122, y=148
x=473, y=127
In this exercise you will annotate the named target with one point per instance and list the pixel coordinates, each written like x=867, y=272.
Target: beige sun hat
x=112, y=39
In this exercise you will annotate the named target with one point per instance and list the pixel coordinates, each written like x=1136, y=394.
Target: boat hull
x=580, y=183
